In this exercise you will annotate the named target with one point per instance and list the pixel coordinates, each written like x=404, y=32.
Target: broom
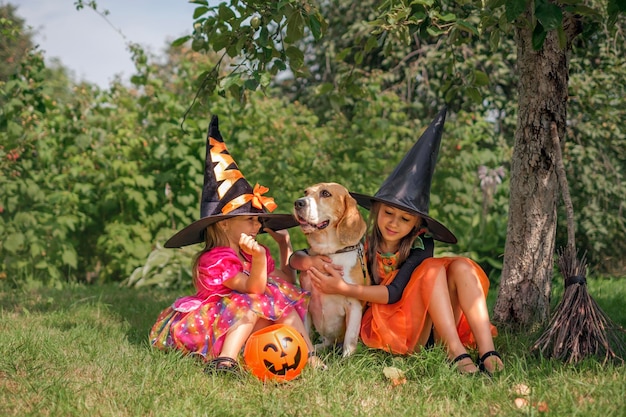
x=579, y=328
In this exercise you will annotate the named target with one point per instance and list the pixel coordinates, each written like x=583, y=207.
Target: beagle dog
x=333, y=226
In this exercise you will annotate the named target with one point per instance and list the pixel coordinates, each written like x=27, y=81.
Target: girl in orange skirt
x=416, y=299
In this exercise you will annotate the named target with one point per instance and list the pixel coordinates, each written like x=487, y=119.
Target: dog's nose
x=299, y=203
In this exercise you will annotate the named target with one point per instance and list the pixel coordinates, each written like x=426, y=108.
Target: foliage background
x=84, y=171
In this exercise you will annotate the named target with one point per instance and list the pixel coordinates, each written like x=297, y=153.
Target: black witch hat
x=408, y=186
x=226, y=193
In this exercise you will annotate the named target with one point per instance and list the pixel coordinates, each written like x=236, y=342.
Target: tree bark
x=525, y=287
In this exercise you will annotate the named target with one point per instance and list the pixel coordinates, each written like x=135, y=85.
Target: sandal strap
x=482, y=359
x=462, y=368
x=461, y=357
x=488, y=355
x=224, y=359
x=223, y=364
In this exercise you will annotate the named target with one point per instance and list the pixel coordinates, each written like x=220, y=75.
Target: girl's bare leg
x=442, y=315
x=466, y=295
x=238, y=335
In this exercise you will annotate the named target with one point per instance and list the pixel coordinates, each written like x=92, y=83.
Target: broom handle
x=560, y=174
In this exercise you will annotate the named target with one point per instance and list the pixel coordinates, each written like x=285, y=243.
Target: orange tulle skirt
x=396, y=328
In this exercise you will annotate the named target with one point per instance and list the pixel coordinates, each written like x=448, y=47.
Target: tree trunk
x=524, y=294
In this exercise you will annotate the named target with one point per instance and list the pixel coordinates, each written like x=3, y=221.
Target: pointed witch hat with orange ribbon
x=226, y=193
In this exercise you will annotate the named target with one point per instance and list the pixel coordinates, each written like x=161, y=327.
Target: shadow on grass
x=138, y=308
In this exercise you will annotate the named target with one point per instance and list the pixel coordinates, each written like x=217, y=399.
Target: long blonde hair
x=375, y=238
x=214, y=236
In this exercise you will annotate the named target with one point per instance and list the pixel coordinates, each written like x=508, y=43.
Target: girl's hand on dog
x=320, y=262
x=328, y=280
x=280, y=236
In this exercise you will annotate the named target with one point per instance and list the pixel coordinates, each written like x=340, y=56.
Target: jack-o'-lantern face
x=276, y=352
x=279, y=359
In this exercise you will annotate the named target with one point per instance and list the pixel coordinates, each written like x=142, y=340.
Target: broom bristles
x=579, y=328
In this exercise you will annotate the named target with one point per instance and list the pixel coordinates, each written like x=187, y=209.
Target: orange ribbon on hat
x=256, y=197
x=259, y=201
x=227, y=177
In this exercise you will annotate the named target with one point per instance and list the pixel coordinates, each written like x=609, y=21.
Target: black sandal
x=482, y=359
x=460, y=358
x=223, y=364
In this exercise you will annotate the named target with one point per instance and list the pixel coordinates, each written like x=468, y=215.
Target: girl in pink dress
x=238, y=288
x=238, y=292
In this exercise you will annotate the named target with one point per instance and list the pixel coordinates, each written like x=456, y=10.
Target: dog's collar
x=349, y=248
x=358, y=247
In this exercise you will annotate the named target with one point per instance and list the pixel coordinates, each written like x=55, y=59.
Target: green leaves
x=199, y=11
x=514, y=8
x=295, y=56
x=316, y=24
x=549, y=17
x=295, y=26
x=614, y=8
x=480, y=78
x=262, y=39
x=69, y=258
x=548, y=14
x=164, y=268
x=83, y=174
x=14, y=242
x=467, y=27
x=539, y=36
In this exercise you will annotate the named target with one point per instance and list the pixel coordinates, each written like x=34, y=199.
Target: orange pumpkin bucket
x=277, y=352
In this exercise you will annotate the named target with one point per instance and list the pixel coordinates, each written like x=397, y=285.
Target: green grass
x=84, y=351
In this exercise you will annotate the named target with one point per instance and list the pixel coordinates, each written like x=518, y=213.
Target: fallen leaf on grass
x=542, y=407
x=395, y=375
x=521, y=402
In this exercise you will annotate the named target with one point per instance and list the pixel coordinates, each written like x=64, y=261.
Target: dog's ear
x=351, y=227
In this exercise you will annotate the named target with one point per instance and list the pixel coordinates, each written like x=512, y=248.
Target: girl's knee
x=250, y=316
x=461, y=267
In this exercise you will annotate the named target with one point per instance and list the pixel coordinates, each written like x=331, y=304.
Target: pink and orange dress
x=197, y=324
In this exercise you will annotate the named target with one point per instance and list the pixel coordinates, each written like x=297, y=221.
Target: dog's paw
x=347, y=352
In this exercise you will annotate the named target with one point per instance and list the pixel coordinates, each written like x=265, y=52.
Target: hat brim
x=437, y=230
x=194, y=233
